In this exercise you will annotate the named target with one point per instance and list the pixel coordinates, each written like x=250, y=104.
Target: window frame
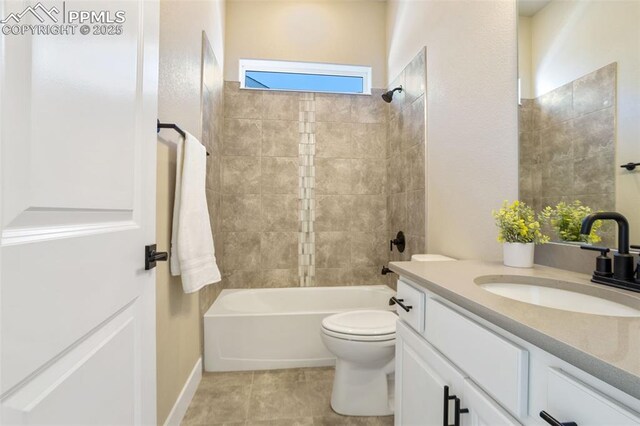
x=361, y=71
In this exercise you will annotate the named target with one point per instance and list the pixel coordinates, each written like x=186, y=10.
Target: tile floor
x=293, y=397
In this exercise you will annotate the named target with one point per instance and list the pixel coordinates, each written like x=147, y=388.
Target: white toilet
x=364, y=345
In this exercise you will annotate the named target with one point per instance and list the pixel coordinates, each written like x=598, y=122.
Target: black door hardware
x=445, y=412
x=151, y=256
x=386, y=271
x=458, y=410
x=393, y=301
x=553, y=422
x=630, y=166
x=456, y=415
x=399, y=242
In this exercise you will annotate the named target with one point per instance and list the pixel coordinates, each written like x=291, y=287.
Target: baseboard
x=186, y=395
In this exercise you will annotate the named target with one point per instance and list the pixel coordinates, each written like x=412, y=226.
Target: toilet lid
x=362, y=323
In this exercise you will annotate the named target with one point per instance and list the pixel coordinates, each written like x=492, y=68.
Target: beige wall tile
x=333, y=213
x=333, y=140
x=280, y=138
x=368, y=249
x=595, y=91
x=415, y=213
x=333, y=176
x=214, y=172
x=280, y=105
x=368, y=275
x=332, y=277
x=241, y=212
x=398, y=97
x=595, y=133
x=332, y=249
x=415, y=77
x=242, y=136
x=368, y=176
x=414, y=124
x=397, y=173
x=555, y=107
x=334, y=108
x=279, y=250
x=242, y=279
x=397, y=211
x=276, y=278
x=369, y=109
x=414, y=167
x=279, y=175
x=368, y=213
x=241, y=175
x=241, y=103
x=279, y=212
x=369, y=140
x=241, y=251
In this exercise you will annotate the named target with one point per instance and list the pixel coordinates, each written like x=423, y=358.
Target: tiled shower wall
x=406, y=159
x=306, y=186
x=567, y=144
x=267, y=156
x=212, y=119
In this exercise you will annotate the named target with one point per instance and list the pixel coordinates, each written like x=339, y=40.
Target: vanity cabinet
x=496, y=378
x=431, y=391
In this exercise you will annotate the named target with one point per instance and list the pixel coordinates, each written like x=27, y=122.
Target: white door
x=77, y=207
x=482, y=409
x=422, y=375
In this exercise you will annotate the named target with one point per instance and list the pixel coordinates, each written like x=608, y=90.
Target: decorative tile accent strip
x=306, y=187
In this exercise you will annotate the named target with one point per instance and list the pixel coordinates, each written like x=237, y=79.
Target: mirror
x=579, y=112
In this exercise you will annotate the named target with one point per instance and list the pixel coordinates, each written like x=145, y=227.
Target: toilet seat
x=363, y=326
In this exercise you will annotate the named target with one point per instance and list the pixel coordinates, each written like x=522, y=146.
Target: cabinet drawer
x=498, y=364
x=570, y=400
x=415, y=298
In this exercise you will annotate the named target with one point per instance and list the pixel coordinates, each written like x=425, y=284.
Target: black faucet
x=623, y=267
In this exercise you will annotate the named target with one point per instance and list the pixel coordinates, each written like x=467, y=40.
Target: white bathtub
x=260, y=329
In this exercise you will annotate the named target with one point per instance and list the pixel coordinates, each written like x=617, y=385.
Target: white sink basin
x=553, y=297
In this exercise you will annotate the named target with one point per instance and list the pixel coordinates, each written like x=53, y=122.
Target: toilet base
x=361, y=391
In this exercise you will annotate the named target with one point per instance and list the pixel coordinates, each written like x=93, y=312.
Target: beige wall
x=571, y=39
x=178, y=315
x=346, y=32
x=472, y=162
x=524, y=57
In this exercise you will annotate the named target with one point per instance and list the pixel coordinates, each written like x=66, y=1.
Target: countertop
x=603, y=346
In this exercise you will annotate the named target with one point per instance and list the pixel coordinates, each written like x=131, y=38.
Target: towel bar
x=174, y=127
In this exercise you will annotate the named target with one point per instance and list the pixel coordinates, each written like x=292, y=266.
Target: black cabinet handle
x=630, y=166
x=393, y=301
x=446, y=399
x=553, y=422
x=456, y=417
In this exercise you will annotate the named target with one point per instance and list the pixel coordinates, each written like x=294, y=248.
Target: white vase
x=518, y=255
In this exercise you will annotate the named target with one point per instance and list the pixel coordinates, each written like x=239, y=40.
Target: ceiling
x=531, y=7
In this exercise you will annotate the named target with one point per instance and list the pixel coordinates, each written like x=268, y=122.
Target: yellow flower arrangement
x=517, y=223
x=566, y=220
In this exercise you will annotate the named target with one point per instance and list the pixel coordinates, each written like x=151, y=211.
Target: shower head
x=388, y=96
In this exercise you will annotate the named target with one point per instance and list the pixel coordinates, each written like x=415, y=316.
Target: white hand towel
x=192, y=250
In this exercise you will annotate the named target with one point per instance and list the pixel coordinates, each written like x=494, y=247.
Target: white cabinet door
x=77, y=207
x=421, y=377
x=482, y=409
x=570, y=400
